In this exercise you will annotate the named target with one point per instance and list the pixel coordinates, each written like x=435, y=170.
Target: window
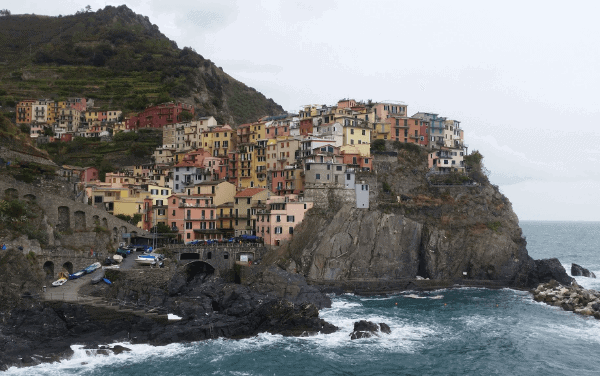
x=364, y=132
x=278, y=230
x=161, y=211
x=445, y=161
x=291, y=230
x=173, y=213
x=159, y=202
x=278, y=218
x=318, y=176
x=173, y=225
x=351, y=131
x=188, y=225
x=338, y=168
x=366, y=161
x=248, y=201
x=154, y=191
x=290, y=218
x=173, y=201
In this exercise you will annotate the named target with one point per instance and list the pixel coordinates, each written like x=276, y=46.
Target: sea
x=464, y=331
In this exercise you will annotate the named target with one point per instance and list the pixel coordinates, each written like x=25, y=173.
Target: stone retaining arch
x=64, y=218
x=79, y=220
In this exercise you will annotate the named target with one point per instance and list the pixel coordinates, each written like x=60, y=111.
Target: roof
x=249, y=192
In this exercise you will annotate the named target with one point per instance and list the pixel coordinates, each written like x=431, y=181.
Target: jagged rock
x=367, y=329
x=547, y=270
x=577, y=271
x=385, y=328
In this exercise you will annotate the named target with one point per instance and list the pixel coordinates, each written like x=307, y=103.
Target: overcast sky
x=522, y=77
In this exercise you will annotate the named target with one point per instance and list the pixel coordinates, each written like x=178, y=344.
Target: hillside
x=119, y=59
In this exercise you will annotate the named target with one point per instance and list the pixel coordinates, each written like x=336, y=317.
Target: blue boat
x=107, y=281
x=92, y=268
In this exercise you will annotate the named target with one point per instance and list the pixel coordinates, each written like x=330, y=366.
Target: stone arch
x=68, y=267
x=104, y=223
x=49, y=269
x=189, y=256
x=64, y=218
x=96, y=220
x=115, y=233
x=11, y=193
x=30, y=197
x=196, y=268
x=79, y=220
x=123, y=230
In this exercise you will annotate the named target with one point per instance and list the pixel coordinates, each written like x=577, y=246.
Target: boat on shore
x=92, y=268
x=59, y=282
x=145, y=259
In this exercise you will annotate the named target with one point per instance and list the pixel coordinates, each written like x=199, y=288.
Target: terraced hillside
x=119, y=59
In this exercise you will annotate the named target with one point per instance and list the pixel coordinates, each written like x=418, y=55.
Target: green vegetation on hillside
x=120, y=60
x=106, y=156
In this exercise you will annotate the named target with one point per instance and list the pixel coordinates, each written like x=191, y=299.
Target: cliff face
x=414, y=229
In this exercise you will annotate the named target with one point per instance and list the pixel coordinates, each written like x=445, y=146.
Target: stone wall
x=329, y=197
x=14, y=156
x=68, y=216
x=215, y=256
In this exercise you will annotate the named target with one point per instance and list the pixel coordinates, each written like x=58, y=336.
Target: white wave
x=84, y=362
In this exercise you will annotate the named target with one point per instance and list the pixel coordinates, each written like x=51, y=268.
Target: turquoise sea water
x=446, y=332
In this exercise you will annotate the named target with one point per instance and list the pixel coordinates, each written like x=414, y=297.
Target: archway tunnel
x=49, y=269
x=189, y=256
x=198, y=269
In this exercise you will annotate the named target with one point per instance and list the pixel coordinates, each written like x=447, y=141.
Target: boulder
x=579, y=271
x=367, y=329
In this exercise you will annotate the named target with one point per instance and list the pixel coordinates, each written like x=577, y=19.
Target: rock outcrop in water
x=458, y=234
x=577, y=271
x=368, y=329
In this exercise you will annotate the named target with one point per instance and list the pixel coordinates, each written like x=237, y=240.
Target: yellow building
x=159, y=196
x=381, y=131
x=244, y=209
x=355, y=132
x=220, y=191
x=218, y=141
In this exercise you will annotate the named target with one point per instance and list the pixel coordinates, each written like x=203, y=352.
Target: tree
x=186, y=116
x=48, y=131
x=88, y=8
x=4, y=12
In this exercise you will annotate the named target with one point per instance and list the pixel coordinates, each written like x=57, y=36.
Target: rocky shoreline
x=275, y=301
x=572, y=298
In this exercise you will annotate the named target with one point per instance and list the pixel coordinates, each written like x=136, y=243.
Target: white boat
x=111, y=267
x=118, y=258
x=145, y=259
x=59, y=282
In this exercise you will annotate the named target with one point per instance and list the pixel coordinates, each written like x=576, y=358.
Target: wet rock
x=385, y=328
x=577, y=271
x=367, y=329
x=570, y=298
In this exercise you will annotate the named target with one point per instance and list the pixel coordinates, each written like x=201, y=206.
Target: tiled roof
x=249, y=192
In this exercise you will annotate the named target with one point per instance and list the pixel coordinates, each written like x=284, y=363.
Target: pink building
x=278, y=131
x=357, y=161
x=194, y=217
x=89, y=174
x=276, y=223
x=159, y=116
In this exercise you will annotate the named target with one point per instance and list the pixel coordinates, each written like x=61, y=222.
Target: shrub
x=378, y=145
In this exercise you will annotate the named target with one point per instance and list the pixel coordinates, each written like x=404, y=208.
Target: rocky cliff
x=418, y=229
